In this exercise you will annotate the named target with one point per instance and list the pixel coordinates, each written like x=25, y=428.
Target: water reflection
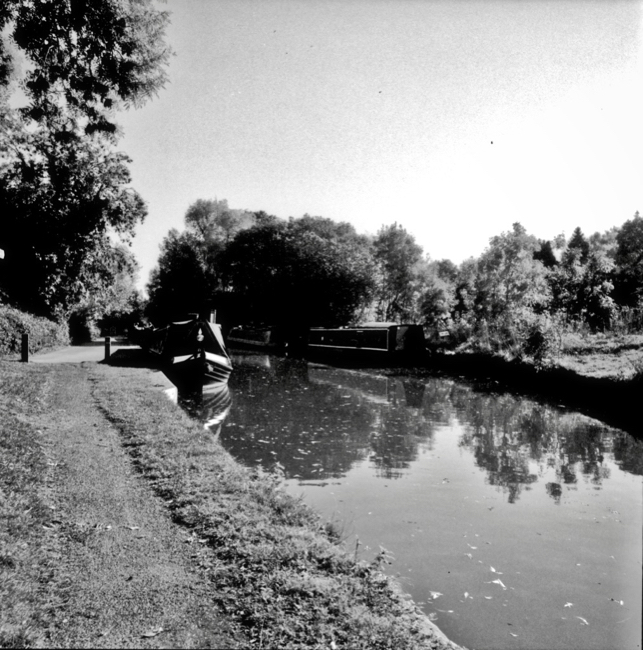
x=209, y=405
x=316, y=422
x=461, y=486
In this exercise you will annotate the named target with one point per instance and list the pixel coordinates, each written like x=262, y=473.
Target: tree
x=397, y=255
x=107, y=288
x=64, y=191
x=629, y=261
x=546, y=254
x=465, y=290
x=579, y=242
x=86, y=59
x=307, y=271
x=60, y=201
x=213, y=221
x=438, y=296
x=214, y=225
x=509, y=278
x=581, y=291
x=180, y=283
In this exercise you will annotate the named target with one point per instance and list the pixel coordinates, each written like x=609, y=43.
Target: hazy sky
x=453, y=118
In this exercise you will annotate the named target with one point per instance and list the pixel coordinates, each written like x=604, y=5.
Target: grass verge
x=26, y=559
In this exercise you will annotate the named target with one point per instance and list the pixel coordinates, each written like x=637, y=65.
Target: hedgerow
x=43, y=333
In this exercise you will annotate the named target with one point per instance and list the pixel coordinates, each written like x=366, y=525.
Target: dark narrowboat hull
x=380, y=344
x=254, y=338
x=192, y=353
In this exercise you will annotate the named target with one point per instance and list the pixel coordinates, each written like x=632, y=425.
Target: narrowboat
x=370, y=342
x=192, y=352
x=258, y=338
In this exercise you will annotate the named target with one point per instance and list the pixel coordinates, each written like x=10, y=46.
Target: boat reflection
x=209, y=405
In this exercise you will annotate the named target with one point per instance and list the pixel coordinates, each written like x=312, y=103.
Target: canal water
x=512, y=524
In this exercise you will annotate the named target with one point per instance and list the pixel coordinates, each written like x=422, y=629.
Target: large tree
x=509, y=279
x=399, y=260
x=64, y=190
x=60, y=203
x=180, y=283
x=582, y=284
x=629, y=260
x=308, y=271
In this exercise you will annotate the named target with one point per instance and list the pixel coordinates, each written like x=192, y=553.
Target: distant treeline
x=314, y=271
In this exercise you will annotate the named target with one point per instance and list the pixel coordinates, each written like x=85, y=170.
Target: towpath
x=127, y=576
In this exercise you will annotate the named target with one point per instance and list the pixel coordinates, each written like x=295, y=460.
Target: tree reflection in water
x=315, y=423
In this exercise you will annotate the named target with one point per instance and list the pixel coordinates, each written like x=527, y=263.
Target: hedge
x=43, y=333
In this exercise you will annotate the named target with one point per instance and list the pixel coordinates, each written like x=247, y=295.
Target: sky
x=453, y=118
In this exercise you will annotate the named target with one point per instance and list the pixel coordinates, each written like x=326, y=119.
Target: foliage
x=180, y=282
x=541, y=342
x=42, y=332
x=64, y=191
x=629, y=260
x=60, y=201
x=307, y=271
x=438, y=295
x=582, y=291
x=399, y=260
x=86, y=59
x=546, y=254
x=187, y=274
x=579, y=242
x=213, y=221
x=508, y=277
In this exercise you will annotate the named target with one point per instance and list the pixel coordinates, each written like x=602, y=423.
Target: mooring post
x=25, y=348
x=108, y=347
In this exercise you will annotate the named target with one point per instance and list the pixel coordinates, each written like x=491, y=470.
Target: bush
x=540, y=343
x=43, y=333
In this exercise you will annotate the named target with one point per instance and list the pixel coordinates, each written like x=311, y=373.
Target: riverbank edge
x=366, y=605
x=282, y=576
x=610, y=399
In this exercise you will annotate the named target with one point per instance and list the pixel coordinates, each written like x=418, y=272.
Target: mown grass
x=278, y=572
x=26, y=560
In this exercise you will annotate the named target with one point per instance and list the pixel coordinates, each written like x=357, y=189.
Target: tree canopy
x=65, y=192
x=629, y=259
x=307, y=271
x=86, y=59
x=398, y=256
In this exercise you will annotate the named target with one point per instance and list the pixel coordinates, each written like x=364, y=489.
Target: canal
x=512, y=524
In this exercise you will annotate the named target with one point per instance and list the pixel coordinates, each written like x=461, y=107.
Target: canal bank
x=612, y=397
x=130, y=527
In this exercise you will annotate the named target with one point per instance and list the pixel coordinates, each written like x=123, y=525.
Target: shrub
x=43, y=333
x=540, y=343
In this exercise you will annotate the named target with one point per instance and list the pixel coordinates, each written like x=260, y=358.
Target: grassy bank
x=26, y=556
x=276, y=573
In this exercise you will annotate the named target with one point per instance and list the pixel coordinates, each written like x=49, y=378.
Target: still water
x=512, y=524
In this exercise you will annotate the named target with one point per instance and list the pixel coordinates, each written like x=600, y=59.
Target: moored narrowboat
x=372, y=342
x=255, y=338
x=192, y=352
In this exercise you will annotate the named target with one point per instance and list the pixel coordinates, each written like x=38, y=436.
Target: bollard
x=25, y=348
x=108, y=347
